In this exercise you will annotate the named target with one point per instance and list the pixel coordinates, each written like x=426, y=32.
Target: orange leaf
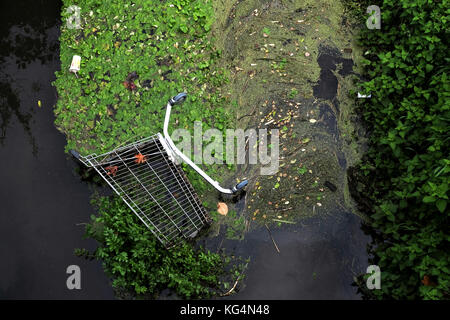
x=222, y=208
x=111, y=170
x=140, y=158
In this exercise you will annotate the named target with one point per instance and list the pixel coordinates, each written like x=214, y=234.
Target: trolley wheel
x=178, y=99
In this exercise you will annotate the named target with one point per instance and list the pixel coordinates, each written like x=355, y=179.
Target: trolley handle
x=179, y=99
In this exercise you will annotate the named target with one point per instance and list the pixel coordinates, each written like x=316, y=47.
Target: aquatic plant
x=134, y=57
x=138, y=263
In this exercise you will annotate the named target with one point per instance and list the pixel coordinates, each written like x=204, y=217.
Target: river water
x=42, y=198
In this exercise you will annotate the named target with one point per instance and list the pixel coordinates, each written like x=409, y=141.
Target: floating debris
x=75, y=65
x=362, y=96
x=222, y=208
x=283, y=221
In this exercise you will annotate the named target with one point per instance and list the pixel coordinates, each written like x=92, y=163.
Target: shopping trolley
x=148, y=177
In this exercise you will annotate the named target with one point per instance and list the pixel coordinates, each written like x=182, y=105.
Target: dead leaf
x=140, y=158
x=426, y=281
x=222, y=208
x=111, y=170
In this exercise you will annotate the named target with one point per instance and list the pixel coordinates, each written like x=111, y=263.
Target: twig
x=235, y=283
x=220, y=245
x=247, y=225
x=283, y=221
x=270, y=234
x=232, y=289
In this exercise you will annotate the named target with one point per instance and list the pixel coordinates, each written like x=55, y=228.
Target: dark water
x=318, y=258
x=42, y=198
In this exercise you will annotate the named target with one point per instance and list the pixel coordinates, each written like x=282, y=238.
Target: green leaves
x=409, y=117
x=441, y=204
x=137, y=262
x=165, y=43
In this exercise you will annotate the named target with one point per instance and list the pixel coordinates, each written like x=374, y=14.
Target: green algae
x=271, y=50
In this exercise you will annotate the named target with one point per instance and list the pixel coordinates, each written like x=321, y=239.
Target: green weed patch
x=139, y=265
x=134, y=57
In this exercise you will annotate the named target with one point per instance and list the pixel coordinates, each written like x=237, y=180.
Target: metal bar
x=214, y=183
x=146, y=189
x=169, y=165
x=167, y=190
x=98, y=171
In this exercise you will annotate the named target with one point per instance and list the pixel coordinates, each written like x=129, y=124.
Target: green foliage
x=235, y=226
x=165, y=42
x=407, y=167
x=293, y=93
x=137, y=262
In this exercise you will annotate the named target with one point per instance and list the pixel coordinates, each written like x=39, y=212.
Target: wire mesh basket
x=148, y=178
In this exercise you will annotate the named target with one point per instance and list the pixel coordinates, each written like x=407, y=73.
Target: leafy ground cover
x=134, y=57
x=139, y=265
x=406, y=171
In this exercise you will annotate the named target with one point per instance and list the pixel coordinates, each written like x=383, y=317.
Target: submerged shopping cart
x=147, y=176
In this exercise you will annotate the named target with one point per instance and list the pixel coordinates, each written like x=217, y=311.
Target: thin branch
x=270, y=234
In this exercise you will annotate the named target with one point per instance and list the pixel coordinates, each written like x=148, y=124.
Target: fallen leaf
x=140, y=158
x=222, y=208
x=312, y=120
x=112, y=170
x=39, y=103
x=427, y=281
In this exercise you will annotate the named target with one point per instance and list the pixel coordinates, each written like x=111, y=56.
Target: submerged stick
x=283, y=221
x=270, y=234
x=235, y=283
x=232, y=289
